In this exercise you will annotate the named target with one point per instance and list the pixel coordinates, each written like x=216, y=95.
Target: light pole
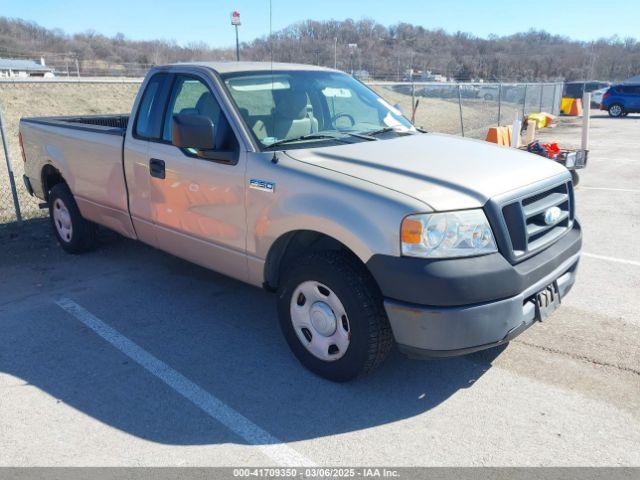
x=335, y=53
x=235, y=21
x=352, y=50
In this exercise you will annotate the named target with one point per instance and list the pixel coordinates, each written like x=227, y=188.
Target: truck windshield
x=298, y=107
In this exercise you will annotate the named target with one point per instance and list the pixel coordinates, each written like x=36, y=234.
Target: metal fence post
x=460, y=106
x=541, y=92
x=557, y=99
x=413, y=100
x=524, y=100
x=586, y=120
x=499, y=101
x=12, y=181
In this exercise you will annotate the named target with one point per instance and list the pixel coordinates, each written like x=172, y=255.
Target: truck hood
x=443, y=171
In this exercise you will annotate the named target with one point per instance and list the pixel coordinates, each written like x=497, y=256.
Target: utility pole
x=335, y=53
x=235, y=21
x=77, y=67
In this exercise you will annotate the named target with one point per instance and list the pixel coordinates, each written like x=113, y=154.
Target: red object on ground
x=552, y=149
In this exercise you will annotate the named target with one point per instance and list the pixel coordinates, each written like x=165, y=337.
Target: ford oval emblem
x=551, y=215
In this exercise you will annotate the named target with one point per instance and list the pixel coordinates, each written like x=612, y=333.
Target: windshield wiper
x=362, y=135
x=309, y=136
x=373, y=133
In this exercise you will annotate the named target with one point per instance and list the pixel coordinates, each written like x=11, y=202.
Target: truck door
x=144, y=126
x=197, y=204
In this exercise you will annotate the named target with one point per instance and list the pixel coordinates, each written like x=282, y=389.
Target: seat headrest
x=208, y=106
x=290, y=104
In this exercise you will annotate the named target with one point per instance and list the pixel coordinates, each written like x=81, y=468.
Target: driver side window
x=190, y=96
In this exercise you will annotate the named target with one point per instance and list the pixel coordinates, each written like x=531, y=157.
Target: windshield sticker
x=336, y=92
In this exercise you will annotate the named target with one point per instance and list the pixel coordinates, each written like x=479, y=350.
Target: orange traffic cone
x=499, y=135
x=576, y=108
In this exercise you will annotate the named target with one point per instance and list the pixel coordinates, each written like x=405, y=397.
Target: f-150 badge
x=262, y=185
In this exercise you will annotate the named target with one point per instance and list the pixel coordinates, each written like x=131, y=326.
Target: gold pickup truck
x=304, y=181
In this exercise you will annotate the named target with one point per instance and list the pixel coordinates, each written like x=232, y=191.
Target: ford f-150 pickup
x=304, y=181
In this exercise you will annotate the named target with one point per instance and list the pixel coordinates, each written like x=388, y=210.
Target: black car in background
x=577, y=89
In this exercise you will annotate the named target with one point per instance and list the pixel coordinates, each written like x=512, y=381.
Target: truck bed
x=110, y=124
x=87, y=151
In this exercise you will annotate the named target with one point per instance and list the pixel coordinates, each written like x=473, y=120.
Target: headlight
x=451, y=234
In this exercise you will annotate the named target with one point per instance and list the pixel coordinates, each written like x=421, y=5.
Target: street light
x=235, y=21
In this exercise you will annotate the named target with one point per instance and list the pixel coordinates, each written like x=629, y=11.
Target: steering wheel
x=335, y=118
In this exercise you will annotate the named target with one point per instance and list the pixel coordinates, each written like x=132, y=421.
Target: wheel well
x=293, y=244
x=50, y=177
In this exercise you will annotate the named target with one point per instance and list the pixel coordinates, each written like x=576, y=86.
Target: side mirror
x=193, y=131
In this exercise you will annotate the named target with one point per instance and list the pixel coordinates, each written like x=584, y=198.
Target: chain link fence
x=23, y=98
x=466, y=109
x=469, y=109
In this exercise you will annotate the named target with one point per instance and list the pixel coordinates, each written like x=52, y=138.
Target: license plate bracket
x=547, y=301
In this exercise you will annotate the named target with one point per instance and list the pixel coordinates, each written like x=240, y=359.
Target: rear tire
x=336, y=324
x=74, y=233
x=616, y=110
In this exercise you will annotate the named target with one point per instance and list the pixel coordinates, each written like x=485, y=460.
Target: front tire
x=616, y=110
x=332, y=316
x=575, y=177
x=74, y=233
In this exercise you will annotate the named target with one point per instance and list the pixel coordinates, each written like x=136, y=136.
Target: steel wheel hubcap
x=323, y=319
x=320, y=321
x=62, y=220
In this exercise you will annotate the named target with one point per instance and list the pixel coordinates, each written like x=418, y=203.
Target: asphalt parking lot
x=128, y=356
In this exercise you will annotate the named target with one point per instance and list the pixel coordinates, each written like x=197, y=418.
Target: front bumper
x=461, y=321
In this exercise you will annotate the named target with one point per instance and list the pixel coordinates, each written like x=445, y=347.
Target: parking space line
x=611, y=259
x=210, y=404
x=630, y=190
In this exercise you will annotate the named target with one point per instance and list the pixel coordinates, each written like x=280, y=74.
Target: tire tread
x=84, y=231
x=380, y=339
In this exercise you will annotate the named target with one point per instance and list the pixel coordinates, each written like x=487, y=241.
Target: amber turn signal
x=411, y=231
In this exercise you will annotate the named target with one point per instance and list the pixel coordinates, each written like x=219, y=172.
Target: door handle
x=156, y=168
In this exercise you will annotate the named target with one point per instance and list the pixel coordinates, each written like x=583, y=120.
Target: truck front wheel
x=332, y=316
x=74, y=233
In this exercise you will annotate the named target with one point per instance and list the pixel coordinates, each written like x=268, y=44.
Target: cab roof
x=235, y=67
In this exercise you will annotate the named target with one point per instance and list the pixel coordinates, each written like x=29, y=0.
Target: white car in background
x=596, y=96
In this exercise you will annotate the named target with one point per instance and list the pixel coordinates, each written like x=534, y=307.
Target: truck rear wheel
x=332, y=316
x=74, y=233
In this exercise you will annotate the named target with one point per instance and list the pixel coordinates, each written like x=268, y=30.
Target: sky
x=209, y=21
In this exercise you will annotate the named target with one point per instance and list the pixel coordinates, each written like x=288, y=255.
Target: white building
x=12, y=68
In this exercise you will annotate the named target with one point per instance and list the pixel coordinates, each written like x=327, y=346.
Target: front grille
x=527, y=227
